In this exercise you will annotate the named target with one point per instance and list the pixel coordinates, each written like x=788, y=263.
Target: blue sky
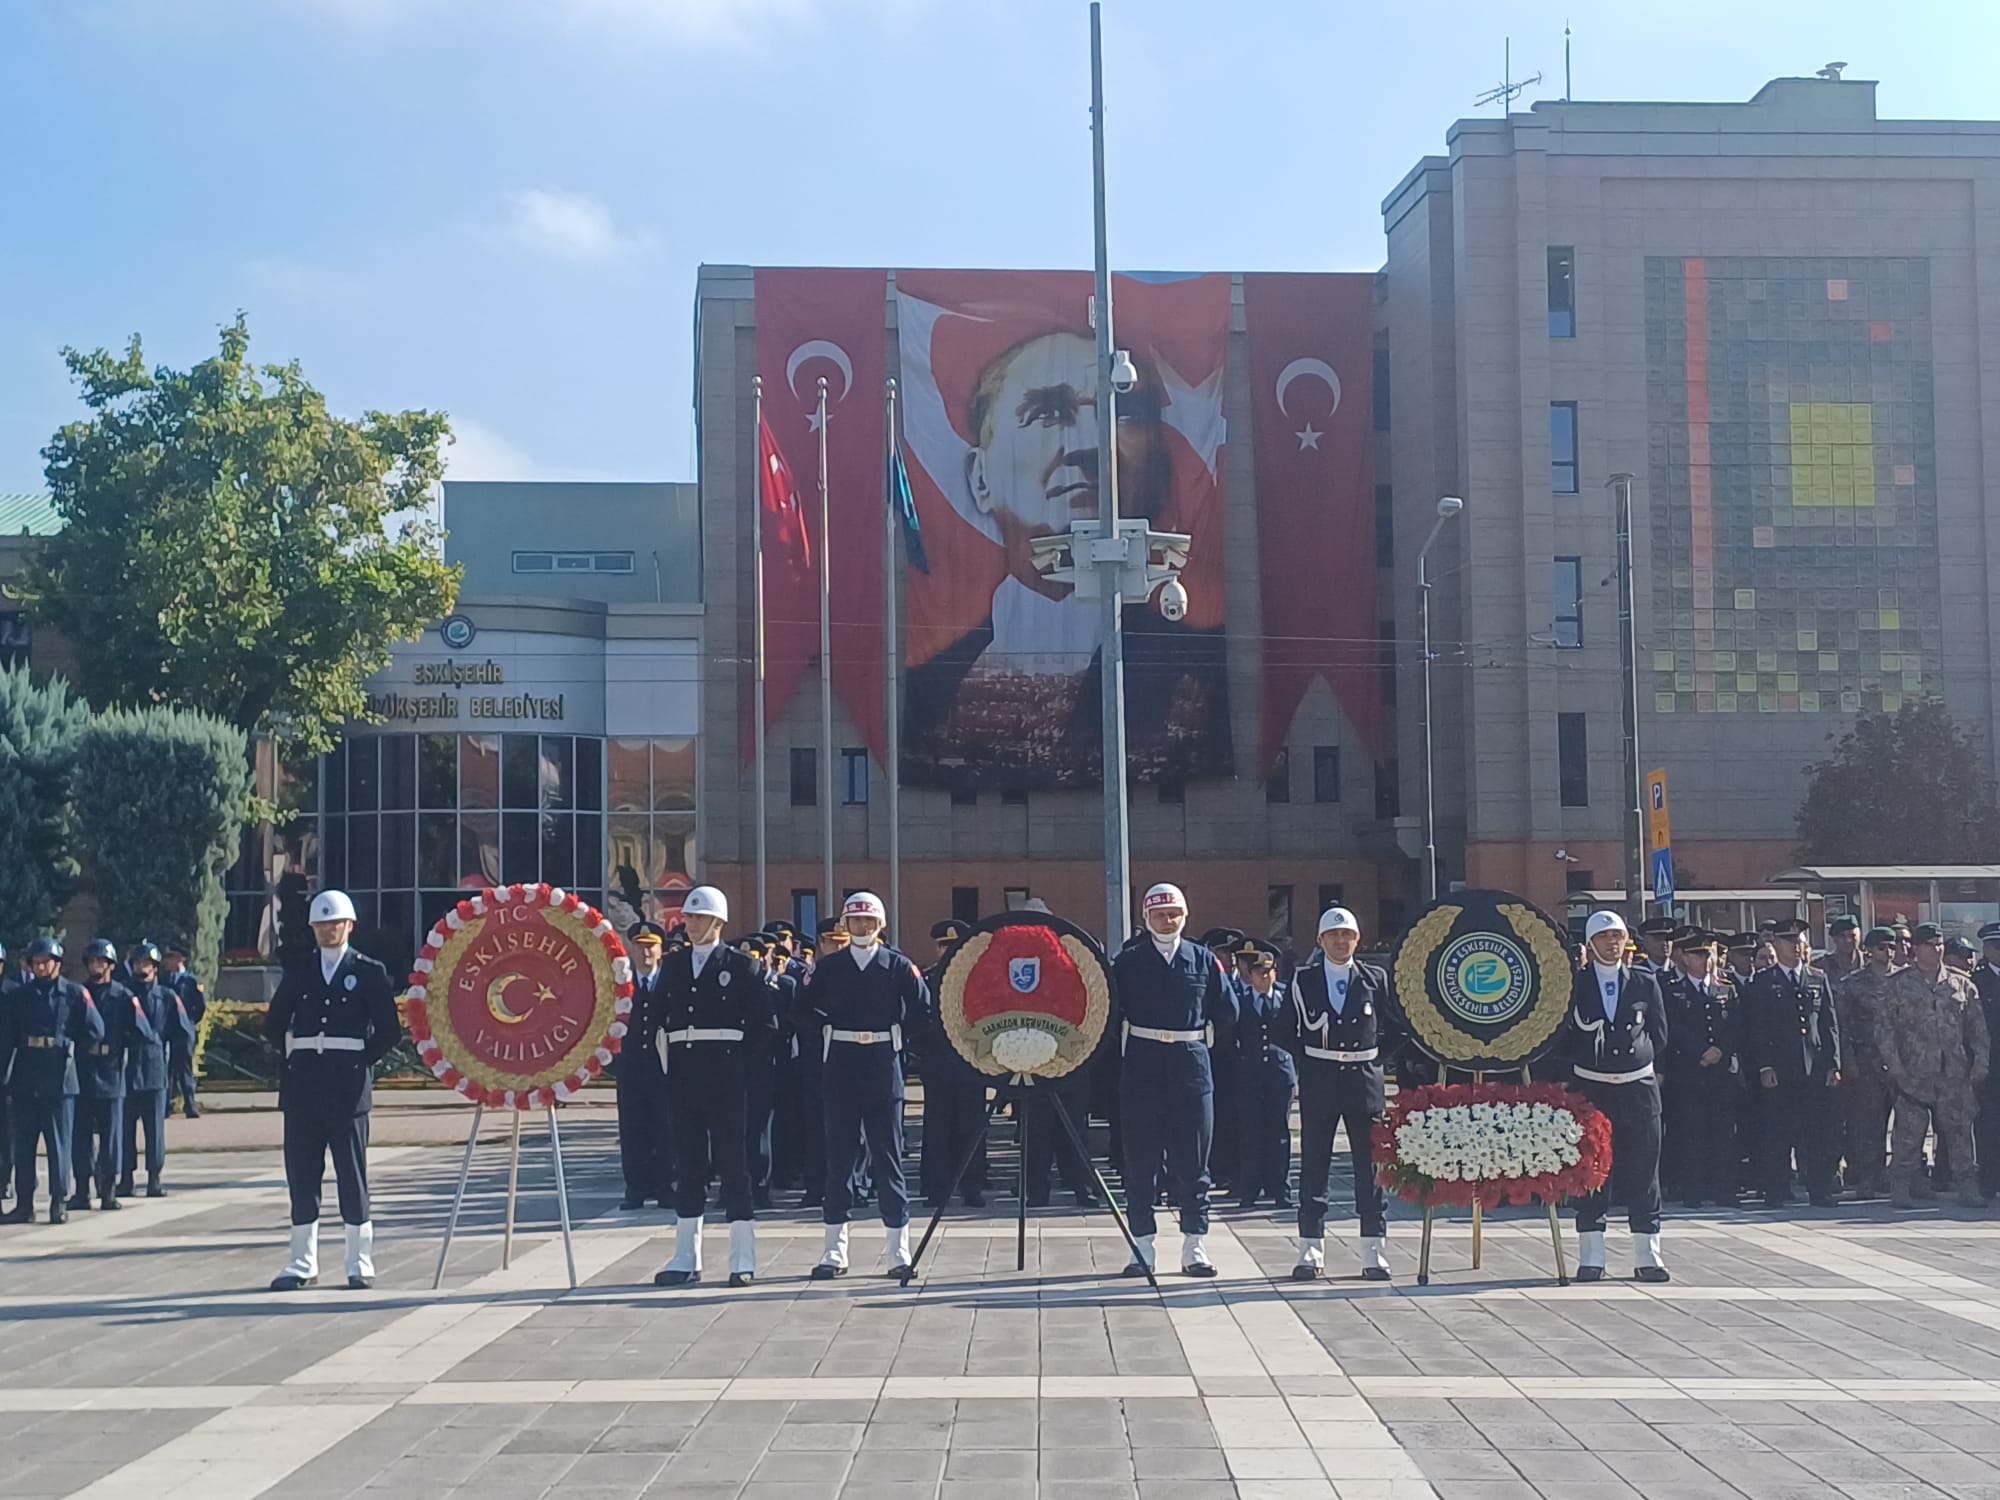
x=496, y=207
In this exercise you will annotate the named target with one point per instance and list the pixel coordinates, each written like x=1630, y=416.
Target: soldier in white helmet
x=714, y=1007
x=334, y=1017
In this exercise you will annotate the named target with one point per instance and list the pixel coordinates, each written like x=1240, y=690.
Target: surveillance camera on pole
x=1124, y=374
x=1173, y=600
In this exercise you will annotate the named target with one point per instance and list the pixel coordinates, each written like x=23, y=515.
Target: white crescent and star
x=820, y=349
x=1300, y=369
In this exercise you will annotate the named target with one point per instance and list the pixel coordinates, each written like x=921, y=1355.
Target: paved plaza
x=1848, y=1353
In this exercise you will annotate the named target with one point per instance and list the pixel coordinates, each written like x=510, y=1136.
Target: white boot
x=1590, y=1255
x=742, y=1251
x=1646, y=1262
x=686, y=1263
x=1194, y=1256
x=899, y=1250
x=1374, y=1258
x=834, y=1261
x=1143, y=1266
x=303, y=1268
x=360, y=1256
x=1312, y=1261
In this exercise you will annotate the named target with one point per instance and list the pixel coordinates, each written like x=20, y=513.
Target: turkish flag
x=785, y=539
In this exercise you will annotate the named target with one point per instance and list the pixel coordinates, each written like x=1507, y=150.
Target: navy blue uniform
x=645, y=1129
x=332, y=1032
x=1167, y=1083
x=715, y=1026
x=954, y=1110
x=866, y=1011
x=1613, y=1058
x=147, y=1079
x=1343, y=1041
x=193, y=995
x=1700, y=1101
x=98, y=1135
x=1790, y=1027
x=1265, y=1078
x=47, y=1023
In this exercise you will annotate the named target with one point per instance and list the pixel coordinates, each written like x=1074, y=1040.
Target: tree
x=230, y=545
x=39, y=724
x=162, y=797
x=1909, y=788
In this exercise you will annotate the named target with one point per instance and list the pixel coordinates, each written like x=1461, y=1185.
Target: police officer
x=1265, y=1077
x=1224, y=1150
x=867, y=997
x=46, y=1023
x=761, y=1089
x=146, y=1077
x=716, y=1019
x=645, y=1131
x=1172, y=997
x=1792, y=1036
x=334, y=1017
x=954, y=1096
x=1342, y=1024
x=1655, y=937
x=1612, y=1035
x=193, y=995
x=1703, y=1073
x=98, y=1134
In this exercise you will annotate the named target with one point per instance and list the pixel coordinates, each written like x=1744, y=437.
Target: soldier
x=193, y=996
x=867, y=997
x=1341, y=1024
x=1172, y=997
x=1844, y=956
x=716, y=1018
x=832, y=939
x=1224, y=1150
x=1266, y=1075
x=147, y=1078
x=1960, y=955
x=645, y=1129
x=1792, y=1037
x=47, y=1021
x=1613, y=1034
x=334, y=1016
x=1703, y=1074
x=1986, y=1129
x=1865, y=1095
x=98, y=1134
x=1936, y=1052
x=1655, y=937
x=954, y=1097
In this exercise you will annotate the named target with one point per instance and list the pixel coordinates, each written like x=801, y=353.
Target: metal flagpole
x=757, y=604
x=892, y=690
x=831, y=897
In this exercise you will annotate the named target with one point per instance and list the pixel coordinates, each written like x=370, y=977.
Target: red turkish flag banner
x=1312, y=359
x=814, y=324
x=787, y=548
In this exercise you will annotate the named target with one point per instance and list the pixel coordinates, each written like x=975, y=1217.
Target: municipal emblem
x=1484, y=978
x=1024, y=974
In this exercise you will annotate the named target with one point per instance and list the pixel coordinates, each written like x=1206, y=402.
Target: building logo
x=1484, y=978
x=457, y=631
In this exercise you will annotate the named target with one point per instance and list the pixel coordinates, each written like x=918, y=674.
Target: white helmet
x=865, y=904
x=1163, y=896
x=1338, y=919
x=1603, y=921
x=705, y=901
x=332, y=906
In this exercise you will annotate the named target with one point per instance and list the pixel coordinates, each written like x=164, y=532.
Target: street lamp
x=1447, y=507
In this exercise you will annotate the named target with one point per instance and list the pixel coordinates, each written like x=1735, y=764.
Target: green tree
x=162, y=796
x=39, y=724
x=231, y=545
x=1908, y=788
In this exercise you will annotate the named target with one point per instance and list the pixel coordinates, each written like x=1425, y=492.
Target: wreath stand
x=1478, y=1215
x=513, y=1195
x=1016, y=1088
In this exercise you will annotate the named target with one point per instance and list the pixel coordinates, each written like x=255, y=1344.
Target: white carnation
x=1023, y=1049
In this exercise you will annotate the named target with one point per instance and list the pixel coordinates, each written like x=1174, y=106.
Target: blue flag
x=903, y=506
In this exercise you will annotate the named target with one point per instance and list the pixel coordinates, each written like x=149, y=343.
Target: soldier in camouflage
x=1935, y=1049
x=1865, y=1094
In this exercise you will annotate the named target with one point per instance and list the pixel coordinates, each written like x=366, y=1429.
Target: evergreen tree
x=39, y=724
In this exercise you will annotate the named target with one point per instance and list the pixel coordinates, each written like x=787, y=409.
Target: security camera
x=1124, y=380
x=1173, y=599
x=1565, y=856
x=1449, y=505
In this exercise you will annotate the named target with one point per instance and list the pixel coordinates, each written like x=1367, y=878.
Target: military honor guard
x=1703, y=1073
x=1986, y=983
x=148, y=1078
x=863, y=999
x=193, y=997
x=334, y=1018
x=1266, y=1076
x=954, y=1097
x=645, y=1132
x=48, y=1022
x=1342, y=1025
x=1792, y=1035
x=1173, y=999
x=98, y=1136
x=715, y=1014
x=1612, y=1037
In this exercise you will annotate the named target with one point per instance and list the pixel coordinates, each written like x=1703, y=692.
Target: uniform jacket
x=146, y=1064
x=358, y=1002
x=639, y=1057
x=1367, y=1020
x=1698, y=1019
x=1190, y=993
x=732, y=993
x=1790, y=1026
x=46, y=1024
x=1933, y=1037
x=102, y=1066
x=1633, y=1036
x=1261, y=1032
x=193, y=996
x=1858, y=1001
x=1986, y=981
x=887, y=995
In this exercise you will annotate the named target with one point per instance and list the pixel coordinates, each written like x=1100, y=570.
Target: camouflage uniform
x=1864, y=1085
x=1934, y=1045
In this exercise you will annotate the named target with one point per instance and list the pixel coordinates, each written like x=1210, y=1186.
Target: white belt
x=1637, y=1075
x=705, y=1034
x=1328, y=1054
x=868, y=1038
x=323, y=1044
x=1153, y=1034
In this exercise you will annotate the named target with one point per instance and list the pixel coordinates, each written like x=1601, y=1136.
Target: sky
x=496, y=208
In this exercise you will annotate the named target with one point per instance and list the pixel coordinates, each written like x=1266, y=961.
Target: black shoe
x=1305, y=1270
x=360, y=1283
x=80, y=1201
x=1202, y=1269
x=1374, y=1273
x=1088, y=1199
x=630, y=1205
x=109, y=1204
x=676, y=1278
x=154, y=1190
x=1137, y=1268
x=291, y=1283
x=1246, y=1204
x=1691, y=1203
x=761, y=1198
x=812, y=1200
x=1283, y=1200
x=974, y=1198
x=1038, y=1200
x=825, y=1272
x=22, y=1213
x=194, y=1112
x=741, y=1278
x=58, y=1214
x=1823, y=1200
x=1590, y=1273
x=935, y=1201
x=126, y=1188
x=1770, y=1202
x=1651, y=1273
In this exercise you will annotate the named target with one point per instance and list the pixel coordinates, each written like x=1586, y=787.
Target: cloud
x=569, y=226
x=478, y=452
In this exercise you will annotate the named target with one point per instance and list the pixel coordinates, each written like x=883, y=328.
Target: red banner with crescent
x=814, y=324
x=1312, y=360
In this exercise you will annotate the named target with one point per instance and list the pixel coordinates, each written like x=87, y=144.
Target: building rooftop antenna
x=1509, y=90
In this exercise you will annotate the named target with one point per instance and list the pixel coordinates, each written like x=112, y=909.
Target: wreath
x=1449, y=1145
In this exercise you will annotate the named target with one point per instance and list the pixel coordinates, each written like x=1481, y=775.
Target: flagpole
x=893, y=667
x=757, y=605
x=832, y=897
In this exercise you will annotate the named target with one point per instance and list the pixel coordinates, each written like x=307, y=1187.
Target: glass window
x=1573, y=760
x=854, y=777
x=1562, y=292
x=534, y=562
x=399, y=851
x=559, y=849
x=1567, y=586
x=364, y=772
x=437, y=835
x=437, y=770
x=1326, y=774
x=589, y=775
x=673, y=775
x=520, y=772
x=1278, y=786
x=673, y=850
x=805, y=776
x=399, y=936
x=558, y=770
x=1014, y=897
x=478, y=850
x=965, y=902
x=1385, y=526
x=612, y=562
x=628, y=864
x=479, y=770
x=589, y=847
x=333, y=853
x=362, y=858
x=1331, y=894
x=399, y=771
x=1562, y=447
x=1278, y=910
x=805, y=911
x=432, y=905
x=1388, y=790
x=520, y=850
x=333, y=777
x=629, y=763
x=1381, y=390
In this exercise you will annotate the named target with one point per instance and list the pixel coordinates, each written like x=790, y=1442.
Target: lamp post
x=1628, y=668
x=1447, y=507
